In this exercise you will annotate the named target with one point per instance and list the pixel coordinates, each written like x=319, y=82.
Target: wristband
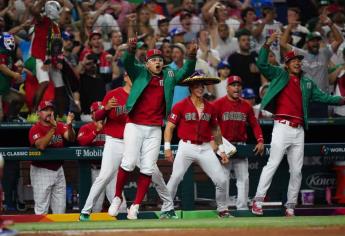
x=167, y=146
x=221, y=148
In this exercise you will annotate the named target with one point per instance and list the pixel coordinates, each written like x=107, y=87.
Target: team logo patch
x=171, y=73
x=309, y=85
x=173, y=116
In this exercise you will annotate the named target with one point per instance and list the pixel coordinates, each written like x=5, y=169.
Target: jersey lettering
x=237, y=116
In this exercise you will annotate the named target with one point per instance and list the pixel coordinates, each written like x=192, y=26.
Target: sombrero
x=199, y=77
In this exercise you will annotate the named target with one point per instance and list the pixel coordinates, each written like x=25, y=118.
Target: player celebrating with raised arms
x=288, y=98
x=149, y=101
x=195, y=119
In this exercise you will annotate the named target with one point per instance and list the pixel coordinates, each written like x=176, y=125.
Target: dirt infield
x=314, y=231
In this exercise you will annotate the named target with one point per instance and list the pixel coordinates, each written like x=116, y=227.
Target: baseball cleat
x=168, y=215
x=84, y=217
x=133, y=212
x=115, y=206
x=224, y=214
x=257, y=208
x=289, y=212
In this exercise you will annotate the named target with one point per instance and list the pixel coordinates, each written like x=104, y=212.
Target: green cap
x=313, y=35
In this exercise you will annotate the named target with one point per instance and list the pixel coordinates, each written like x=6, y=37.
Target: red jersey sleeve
x=253, y=122
x=34, y=134
x=175, y=114
x=86, y=135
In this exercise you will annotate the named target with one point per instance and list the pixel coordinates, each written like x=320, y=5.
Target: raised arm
x=189, y=66
x=36, y=7
x=269, y=71
x=128, y=59
x=320, y=96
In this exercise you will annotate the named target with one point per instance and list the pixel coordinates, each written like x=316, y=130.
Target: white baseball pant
x=142, y=143
x=108, y=191
x=111, y=159
x=290, y=140
x=203, y=154
x=49, y=188
x=240, y=166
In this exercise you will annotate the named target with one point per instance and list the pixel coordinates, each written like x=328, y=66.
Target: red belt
x=193, y=142
x=289, y=123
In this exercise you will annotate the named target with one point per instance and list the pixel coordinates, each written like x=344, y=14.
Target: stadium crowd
x=90, y=37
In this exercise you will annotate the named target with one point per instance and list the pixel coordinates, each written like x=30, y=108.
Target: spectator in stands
x=338, y=18
x=249, y=18
x=92, y=85
x=163, y=30
x=249, y=95
x=196, y=22
x=105, y=23
x=48, y=178
x=155, y=15
x=266, y=26
x=177, y=36
x=84, y=27
x=223, y=70
x=316, y=59
x=166, y=52
x=101, y=57
x=220, y=11
x=150, y=40
x=116, y=41
x=298, y=32
x=178, y=57
x=13, y=99
x=140, y=53
x=243, y=62
x=337, y=77
x=142, y=24
x=206, y=53
x=221, y=40
x=186, y=23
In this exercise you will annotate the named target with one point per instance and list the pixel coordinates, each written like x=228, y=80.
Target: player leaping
x=149, y=102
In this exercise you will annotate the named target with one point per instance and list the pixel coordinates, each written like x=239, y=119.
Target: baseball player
x=92, y=134
x=288, y=98
x=233, y=114
x=47, y=177
x=196, y=121
x=148, y=103
x=114, y=112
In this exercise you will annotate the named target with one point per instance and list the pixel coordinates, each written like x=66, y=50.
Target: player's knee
x=128, y=166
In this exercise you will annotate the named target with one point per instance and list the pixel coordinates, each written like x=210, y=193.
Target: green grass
x=243, y=222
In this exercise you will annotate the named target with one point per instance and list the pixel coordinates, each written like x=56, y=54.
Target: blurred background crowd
x=229, y=34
